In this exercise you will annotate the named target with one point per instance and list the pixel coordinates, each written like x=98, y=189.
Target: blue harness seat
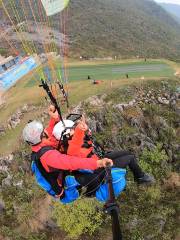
x=71, y=193
x=119, y=184
x=102, y=193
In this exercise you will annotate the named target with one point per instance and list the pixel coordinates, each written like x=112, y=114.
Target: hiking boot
x=146, y=179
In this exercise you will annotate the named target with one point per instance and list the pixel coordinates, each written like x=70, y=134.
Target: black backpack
x=51, y=182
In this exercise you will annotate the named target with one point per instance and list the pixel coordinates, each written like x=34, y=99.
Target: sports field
x=112, y=71
x=26, y=90
x=117, y=71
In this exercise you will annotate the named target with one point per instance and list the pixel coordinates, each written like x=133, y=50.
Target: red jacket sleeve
x=76, y=142
x=54, y=159
x=51, y=125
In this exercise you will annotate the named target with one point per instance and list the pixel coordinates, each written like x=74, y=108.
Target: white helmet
x=32, y=132
x=60, y=129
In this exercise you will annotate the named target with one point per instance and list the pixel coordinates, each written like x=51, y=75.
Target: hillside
x=173, y=9
x=142, y=118
x=122, y=28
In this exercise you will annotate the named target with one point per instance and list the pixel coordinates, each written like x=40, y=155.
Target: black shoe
x=146, y=179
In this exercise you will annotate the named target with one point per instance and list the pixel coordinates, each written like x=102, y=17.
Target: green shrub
x=78, y=218
x=155, y=161
x=15, y=235
x=152, y=194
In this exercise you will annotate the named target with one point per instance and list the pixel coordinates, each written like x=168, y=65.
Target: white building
x=7, y=63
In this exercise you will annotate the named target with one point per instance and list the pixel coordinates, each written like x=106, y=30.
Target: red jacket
x=76, y=145
x=53, y=159
x=51, y=141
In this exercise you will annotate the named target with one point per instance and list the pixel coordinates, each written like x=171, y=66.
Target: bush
x=78, y=218
x=155, y=161
x=153, y=194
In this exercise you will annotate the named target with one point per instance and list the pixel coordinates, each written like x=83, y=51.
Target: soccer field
x=107, y=71
x=120, y=70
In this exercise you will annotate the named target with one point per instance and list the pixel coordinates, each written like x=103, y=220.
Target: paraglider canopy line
x=39, y=11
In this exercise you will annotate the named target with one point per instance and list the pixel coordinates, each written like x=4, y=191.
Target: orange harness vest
x=81, y=145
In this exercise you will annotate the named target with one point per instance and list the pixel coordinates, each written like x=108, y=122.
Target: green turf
x=112, y=71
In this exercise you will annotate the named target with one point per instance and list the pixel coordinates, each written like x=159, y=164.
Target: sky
x=169, y=1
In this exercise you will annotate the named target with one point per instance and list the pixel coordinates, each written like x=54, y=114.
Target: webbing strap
x=53, y=178
x=43, y=150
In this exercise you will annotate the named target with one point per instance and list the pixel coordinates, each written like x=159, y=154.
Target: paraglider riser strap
x=109, y=207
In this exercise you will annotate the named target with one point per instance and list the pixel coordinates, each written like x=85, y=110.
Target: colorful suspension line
x=26, y=50
x=60, y=76
x=20, y=26
x=24, y=11
x=30, y=48
x=38, y=29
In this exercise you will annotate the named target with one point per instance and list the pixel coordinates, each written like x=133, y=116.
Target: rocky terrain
x=144, y=119
x=15, y=119
x=143, y=115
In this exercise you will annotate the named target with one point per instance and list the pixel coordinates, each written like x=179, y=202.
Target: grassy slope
x=79, y=90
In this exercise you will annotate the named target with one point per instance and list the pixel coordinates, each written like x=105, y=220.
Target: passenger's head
x=65, y=128
x=33, y=132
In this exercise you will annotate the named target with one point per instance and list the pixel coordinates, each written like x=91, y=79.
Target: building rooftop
x=4, y=60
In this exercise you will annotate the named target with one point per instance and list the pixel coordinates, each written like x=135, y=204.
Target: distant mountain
x=122, y=28
x=173, y=9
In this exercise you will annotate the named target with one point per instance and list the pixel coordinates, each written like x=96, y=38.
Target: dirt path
x=1, y=97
